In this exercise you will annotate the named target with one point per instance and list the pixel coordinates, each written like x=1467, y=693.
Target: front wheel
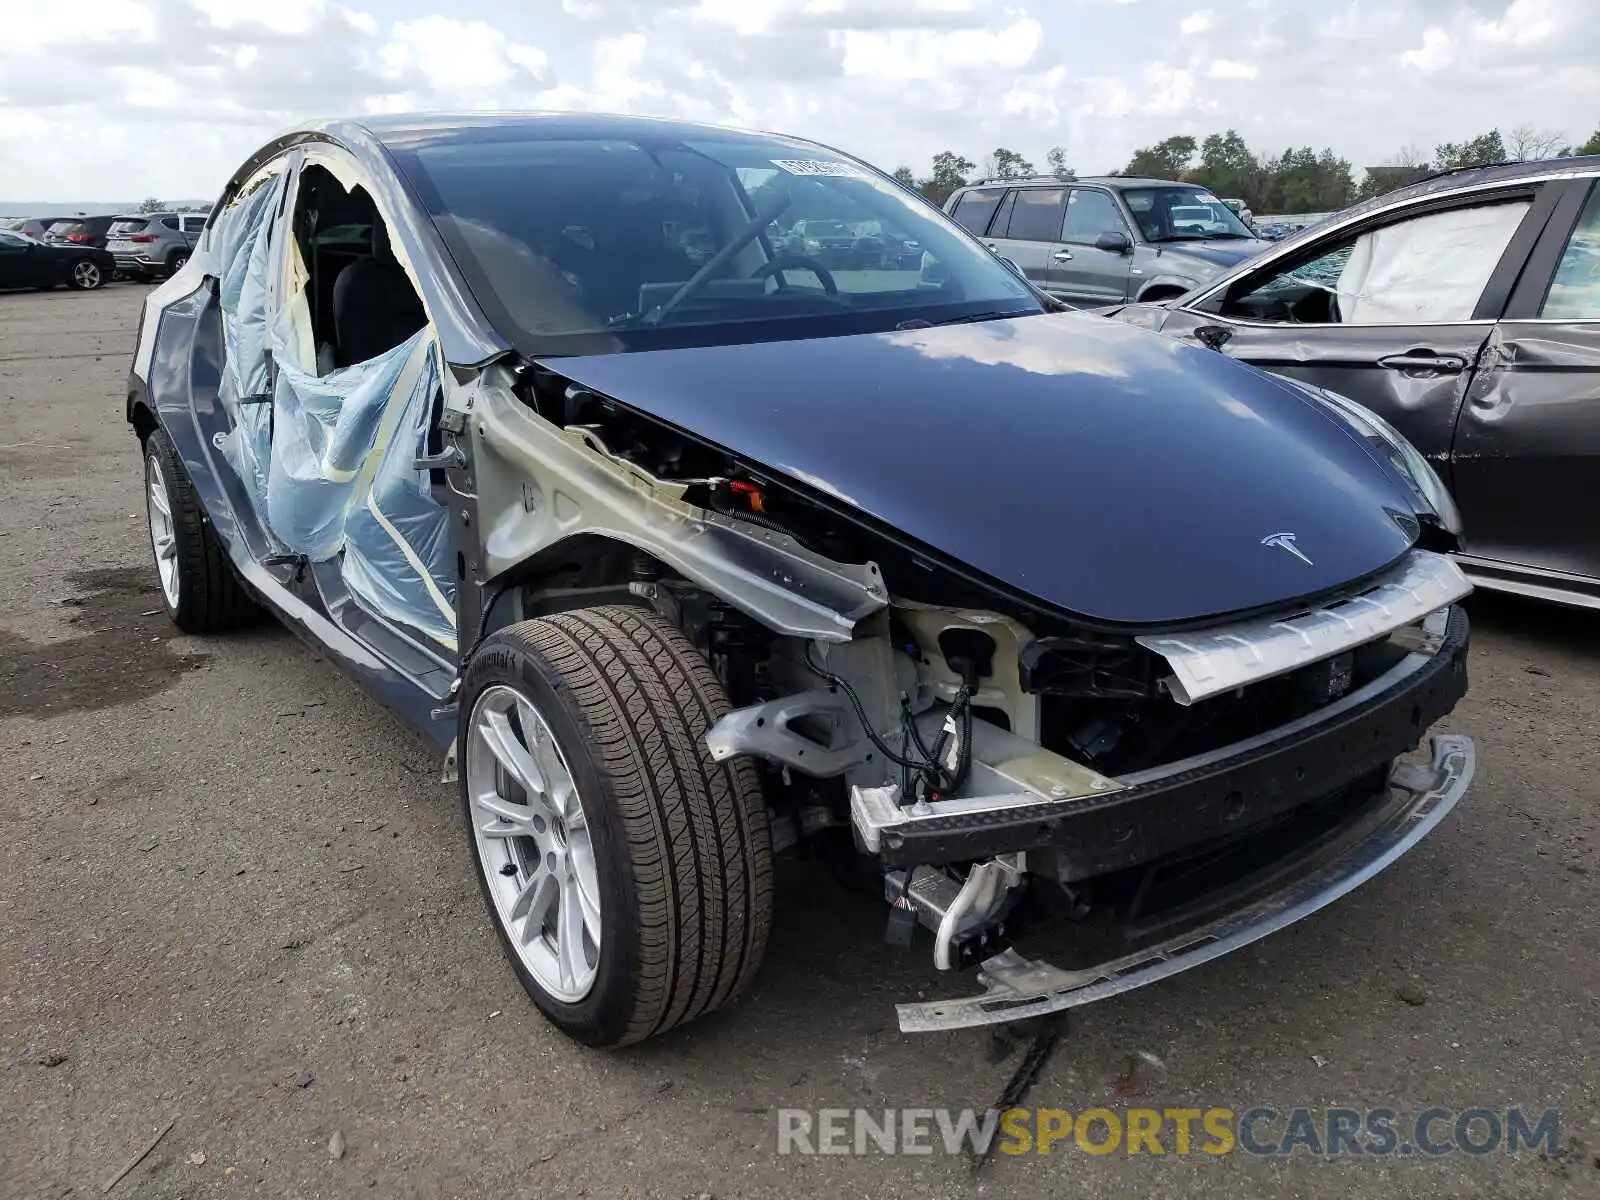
x=198, y=585
x=86, y=275
x=628, y=875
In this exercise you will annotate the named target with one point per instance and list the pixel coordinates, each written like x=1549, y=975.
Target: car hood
x=1214, y=255
x=1096, y=467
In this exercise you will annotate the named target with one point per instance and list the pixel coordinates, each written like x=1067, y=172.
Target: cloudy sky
x=117, y=99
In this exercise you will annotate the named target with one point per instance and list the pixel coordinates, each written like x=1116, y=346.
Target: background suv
x=31, y=227
x=1094, y=242
x=81, y=231
x=157, y=244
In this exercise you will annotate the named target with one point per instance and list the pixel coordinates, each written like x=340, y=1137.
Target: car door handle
x=1062, y=256
x=1424, y=360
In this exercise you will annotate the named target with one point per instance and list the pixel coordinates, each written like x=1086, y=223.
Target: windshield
x=1176, y=214
x=577, y=245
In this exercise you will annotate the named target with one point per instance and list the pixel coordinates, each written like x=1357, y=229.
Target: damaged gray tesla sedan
x=686, y=548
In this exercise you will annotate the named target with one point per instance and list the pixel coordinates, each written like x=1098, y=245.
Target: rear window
x=1037, y=216
x=65, y=228
x=975, y=208
x=124, y=228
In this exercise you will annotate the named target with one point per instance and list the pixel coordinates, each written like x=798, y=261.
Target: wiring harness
x=925, y=774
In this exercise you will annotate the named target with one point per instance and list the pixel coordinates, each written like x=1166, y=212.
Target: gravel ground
x=233, y=897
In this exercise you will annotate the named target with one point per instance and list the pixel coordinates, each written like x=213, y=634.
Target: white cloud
x=1435, y=53
x=278, y=16
x=457, y=57
x=1168, y=90
x=95, y=20
x=1226, y=68
x=918, y=54
x=82, y=100
x=1526, y=22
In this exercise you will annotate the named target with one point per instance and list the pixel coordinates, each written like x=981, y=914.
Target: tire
x=679, y=852
x=176, y=261
x=199, y=588
x=85, y=275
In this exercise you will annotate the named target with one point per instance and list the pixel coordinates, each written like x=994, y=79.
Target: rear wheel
x=198, y=585
x=628, y=875
x=85, y=275
x=176, y=261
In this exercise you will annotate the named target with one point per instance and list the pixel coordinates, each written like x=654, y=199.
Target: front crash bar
x=1016, y=987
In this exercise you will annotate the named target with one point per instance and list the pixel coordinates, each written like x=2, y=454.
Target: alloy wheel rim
x=533, y=842
x=87, y=274
x=163, y=535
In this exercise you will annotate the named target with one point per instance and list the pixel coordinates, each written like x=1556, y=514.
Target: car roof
x=1040, y=181
x=408, y=129
x=1468, y=177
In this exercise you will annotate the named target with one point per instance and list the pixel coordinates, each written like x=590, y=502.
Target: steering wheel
x=800, y=262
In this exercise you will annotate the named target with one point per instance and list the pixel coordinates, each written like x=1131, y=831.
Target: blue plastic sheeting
x=324, y=428
x=341, y=482
x=244, y=257
x=398, y=553
x=327, y=463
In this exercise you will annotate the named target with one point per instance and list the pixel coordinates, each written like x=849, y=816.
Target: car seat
x=375, y=307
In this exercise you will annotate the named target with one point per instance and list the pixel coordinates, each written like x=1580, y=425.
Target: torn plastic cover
x=243, y=250
x=328, y=464
x=398, y=551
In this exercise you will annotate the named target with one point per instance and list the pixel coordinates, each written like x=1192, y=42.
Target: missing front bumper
x=1421, y=793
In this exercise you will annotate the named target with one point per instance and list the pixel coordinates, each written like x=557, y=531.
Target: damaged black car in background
x=687, y=547
x=1465, y=311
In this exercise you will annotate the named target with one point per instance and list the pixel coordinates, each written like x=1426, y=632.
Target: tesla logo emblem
x=1285, y=541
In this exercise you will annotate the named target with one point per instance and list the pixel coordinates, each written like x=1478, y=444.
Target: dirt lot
x=233, y=897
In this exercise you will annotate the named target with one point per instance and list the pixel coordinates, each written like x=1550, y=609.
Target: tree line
x=1299, y=180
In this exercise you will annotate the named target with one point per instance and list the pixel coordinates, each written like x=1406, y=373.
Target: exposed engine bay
x=996, y=761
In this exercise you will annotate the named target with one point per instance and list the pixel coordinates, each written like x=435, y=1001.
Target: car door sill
x=1539, y=583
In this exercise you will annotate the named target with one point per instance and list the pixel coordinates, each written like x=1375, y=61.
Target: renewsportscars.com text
x=1260, y=1131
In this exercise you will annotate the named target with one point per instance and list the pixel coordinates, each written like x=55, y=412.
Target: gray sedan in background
x=1094, y=242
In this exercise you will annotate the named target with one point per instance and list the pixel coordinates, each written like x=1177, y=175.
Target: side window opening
x=1427, y=269
x=1574, y=293
x=1089, y=214
x=1037, y=215
x=974, y=209
x=1001, y=225
x=359, y=301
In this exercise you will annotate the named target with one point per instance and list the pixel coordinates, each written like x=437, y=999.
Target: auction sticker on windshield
x=815, y=166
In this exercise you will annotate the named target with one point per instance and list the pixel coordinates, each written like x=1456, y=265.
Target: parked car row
x=142, y=246
x=861, y=245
